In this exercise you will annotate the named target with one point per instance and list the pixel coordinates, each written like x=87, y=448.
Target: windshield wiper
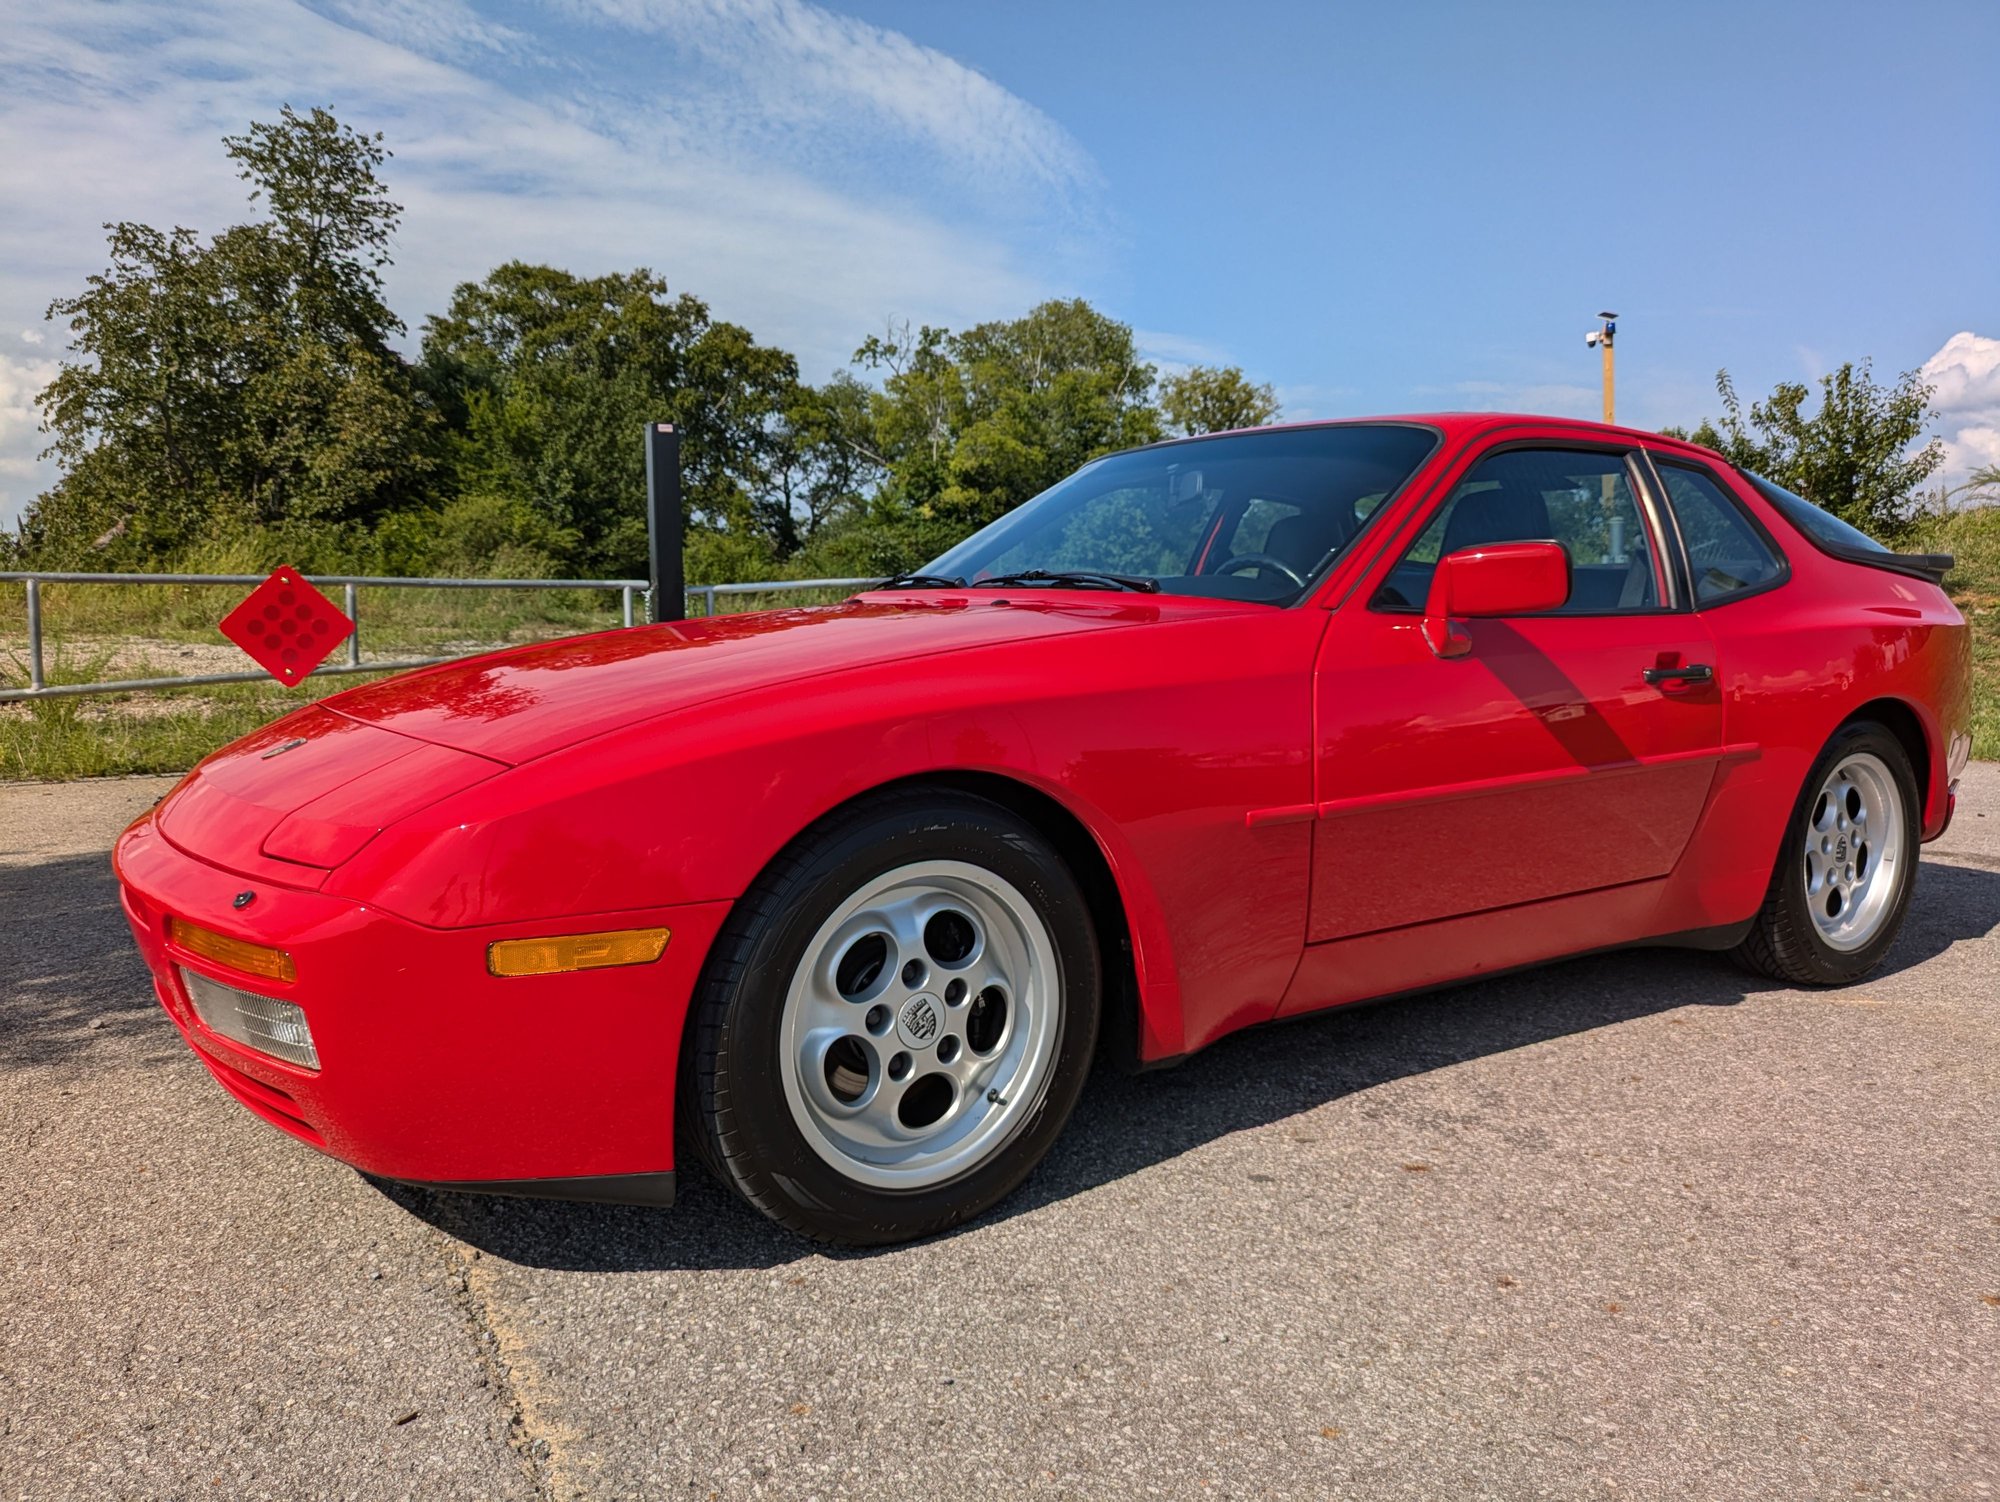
x=920, y=581
x=1079, y=578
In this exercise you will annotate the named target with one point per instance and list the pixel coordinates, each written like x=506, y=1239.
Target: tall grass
x=1972, y=537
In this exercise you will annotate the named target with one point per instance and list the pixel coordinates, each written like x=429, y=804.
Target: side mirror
x=1500, y=578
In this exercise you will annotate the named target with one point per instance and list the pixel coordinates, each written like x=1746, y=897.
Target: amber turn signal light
x=564, y=952
x=237, y=954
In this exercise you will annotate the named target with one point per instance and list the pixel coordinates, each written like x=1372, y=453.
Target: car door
x=1566, y=752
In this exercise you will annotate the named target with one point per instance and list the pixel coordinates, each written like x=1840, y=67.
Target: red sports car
x=844, y=901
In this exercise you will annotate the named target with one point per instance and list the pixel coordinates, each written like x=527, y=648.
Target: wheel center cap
x=1840, y=849
x=919, y=1022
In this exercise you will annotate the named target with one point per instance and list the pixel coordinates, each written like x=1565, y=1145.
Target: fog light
x=263, y=1023
x=561, y=952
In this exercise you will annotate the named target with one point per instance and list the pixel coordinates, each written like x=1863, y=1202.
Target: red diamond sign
x=287, y=626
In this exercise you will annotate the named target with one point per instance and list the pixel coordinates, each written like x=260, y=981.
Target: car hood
x=517, y=705
x=301, y=797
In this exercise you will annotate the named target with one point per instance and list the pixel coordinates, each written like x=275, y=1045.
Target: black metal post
x=668, y=575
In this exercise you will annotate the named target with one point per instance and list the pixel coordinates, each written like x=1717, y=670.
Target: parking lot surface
x=1631, y=1226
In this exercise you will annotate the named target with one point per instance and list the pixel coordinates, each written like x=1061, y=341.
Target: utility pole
x=1602, y=337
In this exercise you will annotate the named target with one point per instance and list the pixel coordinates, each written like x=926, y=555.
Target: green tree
x=245, y=382
x=1852, y=455
x=825, y=464
x=970, y=425
x=549, y=379
x=1208, y=399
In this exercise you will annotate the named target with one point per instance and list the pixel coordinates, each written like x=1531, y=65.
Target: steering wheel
x=1243, y=561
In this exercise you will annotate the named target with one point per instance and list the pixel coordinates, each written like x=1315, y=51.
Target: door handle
x=1694, y=672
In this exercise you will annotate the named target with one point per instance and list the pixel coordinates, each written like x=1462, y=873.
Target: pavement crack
x=542, y=1446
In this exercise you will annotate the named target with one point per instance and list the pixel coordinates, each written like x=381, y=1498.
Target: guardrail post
x=626, y=592
x=663, y=522
x=36, y=681
x=354, y=636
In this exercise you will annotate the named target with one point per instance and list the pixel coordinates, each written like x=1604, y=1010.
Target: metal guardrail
x=630, y=590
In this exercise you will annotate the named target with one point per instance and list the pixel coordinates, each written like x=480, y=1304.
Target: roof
x=1461, y=425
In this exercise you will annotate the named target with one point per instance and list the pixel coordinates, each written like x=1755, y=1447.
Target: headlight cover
x=263, y=1023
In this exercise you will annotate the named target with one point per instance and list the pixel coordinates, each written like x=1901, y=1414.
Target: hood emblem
x=291, y=745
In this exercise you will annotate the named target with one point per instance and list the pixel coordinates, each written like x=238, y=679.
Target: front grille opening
x=266, y=1101
x=263, y=1023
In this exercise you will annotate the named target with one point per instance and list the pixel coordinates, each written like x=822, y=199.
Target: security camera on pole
x=1600, y=338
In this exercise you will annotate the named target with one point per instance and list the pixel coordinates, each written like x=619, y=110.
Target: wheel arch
x=1916, y=735
x=1141, y=1021
x=1121, y=1026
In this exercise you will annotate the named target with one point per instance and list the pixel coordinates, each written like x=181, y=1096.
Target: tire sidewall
x=1839, y=966
x=769, y=1155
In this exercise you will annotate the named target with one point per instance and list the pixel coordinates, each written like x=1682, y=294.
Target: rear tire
x=1844, y=873
x=896, y=1021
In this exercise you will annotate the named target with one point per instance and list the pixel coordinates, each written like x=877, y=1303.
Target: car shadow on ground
x=69, y=973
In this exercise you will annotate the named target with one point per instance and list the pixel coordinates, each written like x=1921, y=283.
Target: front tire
x=1844, y=873
x=896, y=1021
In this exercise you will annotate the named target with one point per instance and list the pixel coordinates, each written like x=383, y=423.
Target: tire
x=896, y=1020
x=1845, y=869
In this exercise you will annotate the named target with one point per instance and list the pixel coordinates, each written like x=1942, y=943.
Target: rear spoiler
x=1930, y=567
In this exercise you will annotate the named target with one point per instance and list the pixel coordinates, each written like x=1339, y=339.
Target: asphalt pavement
x=1631, y=1226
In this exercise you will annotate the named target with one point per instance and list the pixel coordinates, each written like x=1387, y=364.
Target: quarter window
x=1726, y=555
x=1576, y=497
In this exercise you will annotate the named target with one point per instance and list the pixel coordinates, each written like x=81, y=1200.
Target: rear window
x=1835, y=537
x=1823, y=527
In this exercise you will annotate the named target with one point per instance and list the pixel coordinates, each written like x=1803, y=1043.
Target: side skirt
x=1715, y=940
x=654, y=1189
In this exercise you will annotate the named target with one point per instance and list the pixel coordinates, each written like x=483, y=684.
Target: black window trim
x=1659, y=463
x=1666, y=546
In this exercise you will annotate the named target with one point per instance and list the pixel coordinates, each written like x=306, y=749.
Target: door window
x=1576, y=497
x=1725, y=553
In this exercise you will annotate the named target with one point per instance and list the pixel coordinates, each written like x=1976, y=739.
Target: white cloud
x=1966, y=402
x=20, y=422
x=791, y=65
x=805, y=173
x=1308, y=401
x=1552, y=398
x=1175, y=354
x=31, y=336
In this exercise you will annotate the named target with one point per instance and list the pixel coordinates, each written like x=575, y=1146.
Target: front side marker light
x=565, y=952
x=237, y=954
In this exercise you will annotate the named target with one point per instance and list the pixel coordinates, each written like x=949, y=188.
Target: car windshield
x=1245, y=516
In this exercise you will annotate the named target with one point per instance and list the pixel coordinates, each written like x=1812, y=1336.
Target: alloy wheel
x=921, y=1026
x=1854, y=847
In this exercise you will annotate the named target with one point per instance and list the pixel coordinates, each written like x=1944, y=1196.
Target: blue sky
x=1375, y=208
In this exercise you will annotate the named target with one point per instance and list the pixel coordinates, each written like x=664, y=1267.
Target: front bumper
x=431, y=1069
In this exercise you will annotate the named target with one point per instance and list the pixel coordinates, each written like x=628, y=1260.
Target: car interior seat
x=1506, y=514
